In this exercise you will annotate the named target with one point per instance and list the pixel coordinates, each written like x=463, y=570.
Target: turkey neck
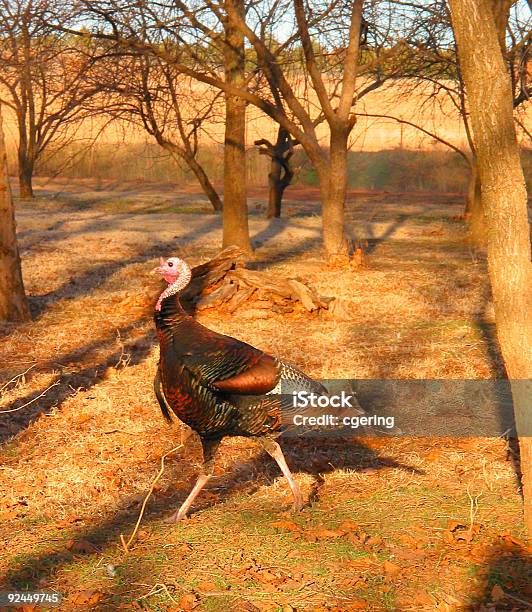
x=172, y=315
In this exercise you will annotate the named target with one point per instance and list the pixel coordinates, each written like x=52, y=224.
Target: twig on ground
x=17, y=377
x=33, y=400
x=522, y=601
x=473, y=508
x=127, y=544
x=157, y=588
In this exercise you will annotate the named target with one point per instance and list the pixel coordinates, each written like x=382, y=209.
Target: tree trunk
x=205, y=183
x=281, y=173
x=474, y=212
x=275, y=196
x=333, y=186
x=504, y=200
x=235, y=209
x=13, y=303
x=25, y=177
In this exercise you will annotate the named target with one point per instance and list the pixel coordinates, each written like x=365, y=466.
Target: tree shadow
x=506, y=576
x=413, y=347
x=279, y=256
x=368, y=233
x=270, y=231
x=488, y=332
x=68, y=384
x=312, y=455
x=86, y=281
x=295, y=247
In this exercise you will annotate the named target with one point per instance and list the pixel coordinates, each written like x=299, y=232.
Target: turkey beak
x=159, y=268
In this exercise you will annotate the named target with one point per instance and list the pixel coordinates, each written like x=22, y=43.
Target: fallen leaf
x=8, y=515
x=267, y=576
x=142, y=535
x=83, y=418
x=82, y=547
x=405, y=601
x=324, y=534
x=67, y=521
x=448, y=537
x=421, y=598
x=391, y=569
x=408, y=540
x=452, y=602
x=348, y=582
x=206, y=587
x=480, y=552
x=408, y=555
x=455, y=525
x=360, y=564
x=356, y=604
x=247, y=606
x=358, y=539
x=458, y=532
x=86, y=598
x=497, y=593
x=294, y=554
x=188, y=602
x=289, y=525
x=509, y=540
x=349, y=525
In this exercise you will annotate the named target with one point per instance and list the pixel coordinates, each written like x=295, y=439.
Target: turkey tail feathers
x=293, y=379
x=159, y=394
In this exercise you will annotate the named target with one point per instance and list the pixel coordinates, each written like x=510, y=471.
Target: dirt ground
x=391, y=523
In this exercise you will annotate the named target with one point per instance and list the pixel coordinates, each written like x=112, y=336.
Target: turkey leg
x=274, y=450
x=209, y=452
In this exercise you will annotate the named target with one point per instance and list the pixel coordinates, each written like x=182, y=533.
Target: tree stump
x=225, y=285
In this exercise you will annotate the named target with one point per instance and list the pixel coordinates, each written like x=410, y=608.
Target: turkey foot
x=274, y=450
x=182, y=512
x=209, y=453
x=298, y=504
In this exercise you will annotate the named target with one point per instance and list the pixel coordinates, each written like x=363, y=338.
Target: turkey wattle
x=217, y=385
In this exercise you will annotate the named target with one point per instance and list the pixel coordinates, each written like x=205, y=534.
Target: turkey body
x=220, y=386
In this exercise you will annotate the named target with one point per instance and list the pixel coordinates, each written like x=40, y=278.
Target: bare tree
x=504, y=197
x=516, y=58
x=166, y=32
x=281, y=173
x=43, y=76
x=13, y=303
x=435, y=76
x=334, y=101
x=151, y=94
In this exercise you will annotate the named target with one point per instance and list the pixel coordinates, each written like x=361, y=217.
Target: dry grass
x=77, y=462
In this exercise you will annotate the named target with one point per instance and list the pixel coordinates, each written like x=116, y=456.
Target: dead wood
x=224, y=283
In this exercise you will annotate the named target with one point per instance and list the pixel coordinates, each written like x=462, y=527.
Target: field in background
x=391, y=170
x=385, y=154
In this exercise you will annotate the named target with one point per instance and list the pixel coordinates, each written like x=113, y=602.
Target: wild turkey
x=217, y=385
